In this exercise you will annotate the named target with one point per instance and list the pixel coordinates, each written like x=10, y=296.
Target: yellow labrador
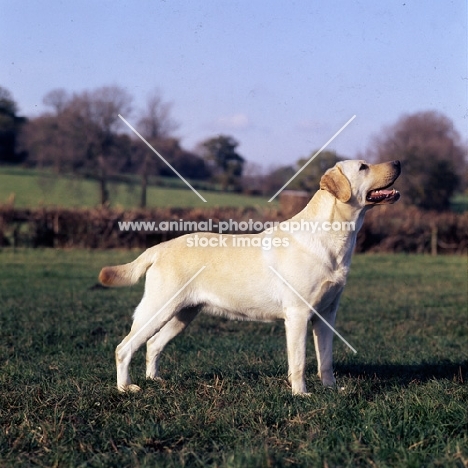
x=281, y=273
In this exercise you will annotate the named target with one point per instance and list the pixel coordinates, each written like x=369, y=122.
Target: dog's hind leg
x=148, y=321
x=156, y=344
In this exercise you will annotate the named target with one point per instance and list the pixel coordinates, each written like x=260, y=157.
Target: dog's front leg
x=323, y=341
x=296, y=334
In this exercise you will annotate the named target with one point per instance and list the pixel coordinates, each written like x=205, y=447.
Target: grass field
x=460, y=203
x=224, y=400
x=32, y=188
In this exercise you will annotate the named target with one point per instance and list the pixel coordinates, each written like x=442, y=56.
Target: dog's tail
x=128, y=274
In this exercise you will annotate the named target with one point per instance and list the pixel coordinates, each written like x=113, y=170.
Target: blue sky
x=280, y=76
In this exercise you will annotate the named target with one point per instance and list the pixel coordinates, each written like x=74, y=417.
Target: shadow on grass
x=404, y=374
x=385, y=375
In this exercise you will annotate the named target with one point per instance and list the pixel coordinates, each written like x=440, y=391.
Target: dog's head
x=359, y=182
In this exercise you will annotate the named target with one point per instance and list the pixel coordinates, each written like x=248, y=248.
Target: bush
x=386, y=228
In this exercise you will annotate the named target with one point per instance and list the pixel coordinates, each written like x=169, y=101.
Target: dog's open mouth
x=383, y=196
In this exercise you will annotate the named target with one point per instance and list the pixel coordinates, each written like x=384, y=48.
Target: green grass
x=33, y=188
x=224, y=400
x=460, y=203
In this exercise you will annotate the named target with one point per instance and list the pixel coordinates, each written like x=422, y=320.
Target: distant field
x=32, y=189
x=224, y=400
x=460, y=203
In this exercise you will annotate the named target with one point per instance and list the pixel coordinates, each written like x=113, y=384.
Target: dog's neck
x=331, y=210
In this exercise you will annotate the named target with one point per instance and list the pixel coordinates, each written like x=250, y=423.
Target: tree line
x=82, y=134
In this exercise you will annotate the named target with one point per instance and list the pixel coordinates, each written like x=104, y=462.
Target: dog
x=292, y=275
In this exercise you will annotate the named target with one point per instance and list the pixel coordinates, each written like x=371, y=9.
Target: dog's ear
x=335, y=182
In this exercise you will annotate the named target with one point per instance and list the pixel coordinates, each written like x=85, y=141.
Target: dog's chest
x=330, y=288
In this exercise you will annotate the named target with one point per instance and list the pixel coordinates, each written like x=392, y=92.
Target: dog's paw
x=300, y=390
x=329, y=385
x=132, y=388
x=155, y=378
x=329, y=382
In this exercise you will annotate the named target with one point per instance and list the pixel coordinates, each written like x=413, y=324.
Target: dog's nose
x=397, y=164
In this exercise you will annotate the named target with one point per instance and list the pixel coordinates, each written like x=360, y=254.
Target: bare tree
x=47, y=134
x=432, y=156
x=93, y=121
x=57, y=99
x=45, y=143
x=156, y=121
x=81, y=134
x=156, y=125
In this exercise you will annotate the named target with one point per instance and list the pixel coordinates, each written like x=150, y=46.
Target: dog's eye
x=363, y=167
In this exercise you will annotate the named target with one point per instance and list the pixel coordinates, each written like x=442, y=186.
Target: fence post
x=434, y=235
